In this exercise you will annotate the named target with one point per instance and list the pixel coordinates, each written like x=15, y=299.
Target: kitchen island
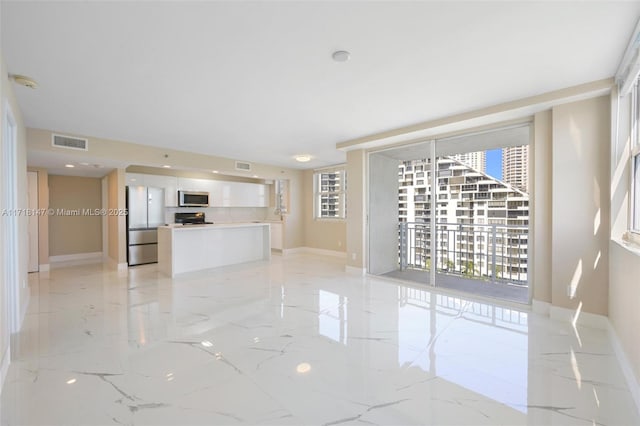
x=196, y=247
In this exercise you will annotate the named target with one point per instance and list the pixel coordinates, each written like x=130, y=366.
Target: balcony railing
x=483, y=252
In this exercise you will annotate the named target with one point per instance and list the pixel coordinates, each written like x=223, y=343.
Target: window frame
x=341, y=193
x=634, y=158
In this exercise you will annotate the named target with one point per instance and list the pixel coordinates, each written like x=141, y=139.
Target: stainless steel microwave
x=193, y=199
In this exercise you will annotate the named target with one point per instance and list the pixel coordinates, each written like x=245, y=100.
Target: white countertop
x=180, y=227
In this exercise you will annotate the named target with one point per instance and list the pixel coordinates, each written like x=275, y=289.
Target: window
x=635, y=163
x=636, y=192
x=330, y=200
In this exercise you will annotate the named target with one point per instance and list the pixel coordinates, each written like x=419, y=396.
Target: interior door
x=32, y=194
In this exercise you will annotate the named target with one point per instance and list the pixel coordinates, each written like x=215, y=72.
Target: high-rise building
x=475, y=160
x=515, y=167
x=481, y=222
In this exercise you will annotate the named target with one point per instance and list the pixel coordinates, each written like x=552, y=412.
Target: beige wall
x=127, y=154
x=541, y=211
x=116, y=224
x=321, y=234
x=580, y=199
x=140, y=157
x=624, y=294
x=7, y=98
x=294, y=219
x=71, y=234
x=357, y=204
x=624, y=267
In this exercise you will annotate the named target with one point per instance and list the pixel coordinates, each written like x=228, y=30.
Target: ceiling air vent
x=245, y=167
x=70, y=142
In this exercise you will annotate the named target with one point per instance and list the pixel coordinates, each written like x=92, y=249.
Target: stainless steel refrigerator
x=145, y=213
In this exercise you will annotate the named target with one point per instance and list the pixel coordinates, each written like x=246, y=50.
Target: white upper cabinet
x=168, y=183
x=238, y=194
x=222, y=193
x=190, y=184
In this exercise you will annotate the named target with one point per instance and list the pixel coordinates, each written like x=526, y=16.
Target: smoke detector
x=23, y=80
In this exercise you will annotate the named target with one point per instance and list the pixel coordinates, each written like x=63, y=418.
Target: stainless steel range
x=191, y=218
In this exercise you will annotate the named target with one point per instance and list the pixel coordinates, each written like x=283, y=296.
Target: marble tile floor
x=296, y=341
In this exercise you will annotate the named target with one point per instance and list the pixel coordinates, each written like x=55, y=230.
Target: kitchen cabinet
x=222, y=193
x=191, y=184
x=170, y=186
x=238, y=194
x=168, y=183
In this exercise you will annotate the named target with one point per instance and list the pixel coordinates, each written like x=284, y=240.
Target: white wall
x=7, y=98
x=383, y=214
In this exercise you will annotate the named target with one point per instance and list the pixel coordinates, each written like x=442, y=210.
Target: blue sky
x=494, y=163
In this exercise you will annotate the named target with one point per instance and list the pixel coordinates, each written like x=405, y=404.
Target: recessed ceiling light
x=23, y=80
x=206, y=343
x=214, y=171
x=71, y=381
x=166, y=166
x=303, y=368
x=341, y=56
x=303, y=158
x=69, y=165
x=255, y=176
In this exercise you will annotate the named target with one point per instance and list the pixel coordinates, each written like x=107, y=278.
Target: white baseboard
x=352, y=270
x=540, y=307
x=122, y=267
x=75, y=257
x=297, y=250
x=4, y=365
x=625, y=365
x=44, y=267
x=311, y=250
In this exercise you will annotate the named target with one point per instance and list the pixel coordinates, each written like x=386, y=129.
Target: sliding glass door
x=462, y=213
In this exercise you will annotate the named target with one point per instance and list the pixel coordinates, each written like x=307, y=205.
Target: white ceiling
x=255, y=80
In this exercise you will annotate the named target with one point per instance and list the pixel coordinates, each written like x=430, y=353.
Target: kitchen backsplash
x=225, y=214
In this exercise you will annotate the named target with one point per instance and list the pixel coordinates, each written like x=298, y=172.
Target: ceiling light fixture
x=23, y=80
x=341, y=56
x=214, y=171
x=303, y=368
x=303, y=158
x=166, y=166
x=70, y=166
